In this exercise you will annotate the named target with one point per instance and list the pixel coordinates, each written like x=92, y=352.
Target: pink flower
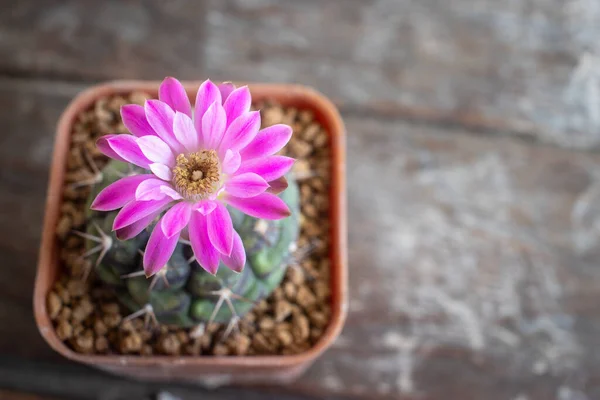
x=200, y=159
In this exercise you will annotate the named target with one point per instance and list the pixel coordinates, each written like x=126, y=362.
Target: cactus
x=183, y=293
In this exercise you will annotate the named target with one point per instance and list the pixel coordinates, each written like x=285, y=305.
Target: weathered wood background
x=474, y=177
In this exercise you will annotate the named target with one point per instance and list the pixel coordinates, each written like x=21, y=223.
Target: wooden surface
x=473, y=174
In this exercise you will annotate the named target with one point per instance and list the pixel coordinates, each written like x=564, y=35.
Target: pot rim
x=302, y=97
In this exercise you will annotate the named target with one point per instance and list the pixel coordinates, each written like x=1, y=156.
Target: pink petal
x=206, y=254
x=246, y=185
x=176, y=218
x=231, y=162
x=134, y=119
x=265, y=205
x=270, y=168
x=226, y=88
x=136, y=210
x=158, y=251
x=104, y=147
x=278, y=185
x=237, y=103
x=172, y=92
x=125, y=147
x=160, y=117
x=118, y=193
x=220, y=229
x=134, y=229
x=185, y=133
x=241, y=132
x=267, y=141
x=156, y=150
x=161, y=171
x=237, y=259
x=213, y=125
x=150, y=190
x=208, y=93
x=169, y=191
x=205, y=207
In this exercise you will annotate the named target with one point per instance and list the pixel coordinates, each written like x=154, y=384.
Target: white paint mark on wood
x=405, y=347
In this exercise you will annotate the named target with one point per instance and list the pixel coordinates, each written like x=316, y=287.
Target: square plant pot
x=208, y=370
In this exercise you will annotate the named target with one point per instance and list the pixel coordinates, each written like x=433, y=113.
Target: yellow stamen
x=197, y=175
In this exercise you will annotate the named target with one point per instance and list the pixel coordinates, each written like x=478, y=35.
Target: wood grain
x=472, y=258
x=524, y=67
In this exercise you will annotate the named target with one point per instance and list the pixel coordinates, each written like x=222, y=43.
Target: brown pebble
x=146, y=335
x=127, y=326
x=146, y=350
x=111, y=320
x=305, y=297
x=182, y=336
x=315, y=334
x=311, y=132
x=300, y=328
x=283, y=309
x=110, y=308
x=318, y=318
x=260, y=344
x=84, y=343
x=64, y=330
x=321, y=139
x=305, y=116
x=76, y=288
x=132, y=343
x=194, y=348
x=241, y=345
x=54, y=305
x=64, y=295
x=290, y=291
x=221, y=350
x=101, y=344
x=310, y=210
x=77, y=329
x=100, y=327
x=65, y=314
x=82, y=310
x=266, y=323
x=295, y=275
x=138, y=324
x=321, y=290
x=139, y=98
x=169, y=344
x=285, y=337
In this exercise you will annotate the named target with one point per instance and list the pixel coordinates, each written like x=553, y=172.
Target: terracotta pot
x=209, y=370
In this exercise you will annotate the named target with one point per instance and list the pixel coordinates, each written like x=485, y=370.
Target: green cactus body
x=183, y=294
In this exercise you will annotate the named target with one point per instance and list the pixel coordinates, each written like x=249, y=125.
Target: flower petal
x=213, y=125
x=176, y=218
x=237, y=259
x=220, y=229
x=269, y=168
x=278, y=185
x=104, y=147
x=169, y=191
x=206, y=254
x=161, y=171
x=185, y=133
x=134, y=229
x=150, y=190
x=172, y=92
x=226, y=88
x=136, y=210
x=208, y=93
x=160, y=117
x=231, y=162
x=156, y=150
x=246, y=185
x=241, y=132
x=205, y=207
x=125, y=148
x=134, y=119
x=267, y=141
x=118, y=193
x=158, y=251
x=237, y=103
x=265, y=205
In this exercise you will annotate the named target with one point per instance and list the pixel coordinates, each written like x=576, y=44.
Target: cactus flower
x=198, y=161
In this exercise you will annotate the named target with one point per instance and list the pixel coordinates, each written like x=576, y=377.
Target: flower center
x=197, y=175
